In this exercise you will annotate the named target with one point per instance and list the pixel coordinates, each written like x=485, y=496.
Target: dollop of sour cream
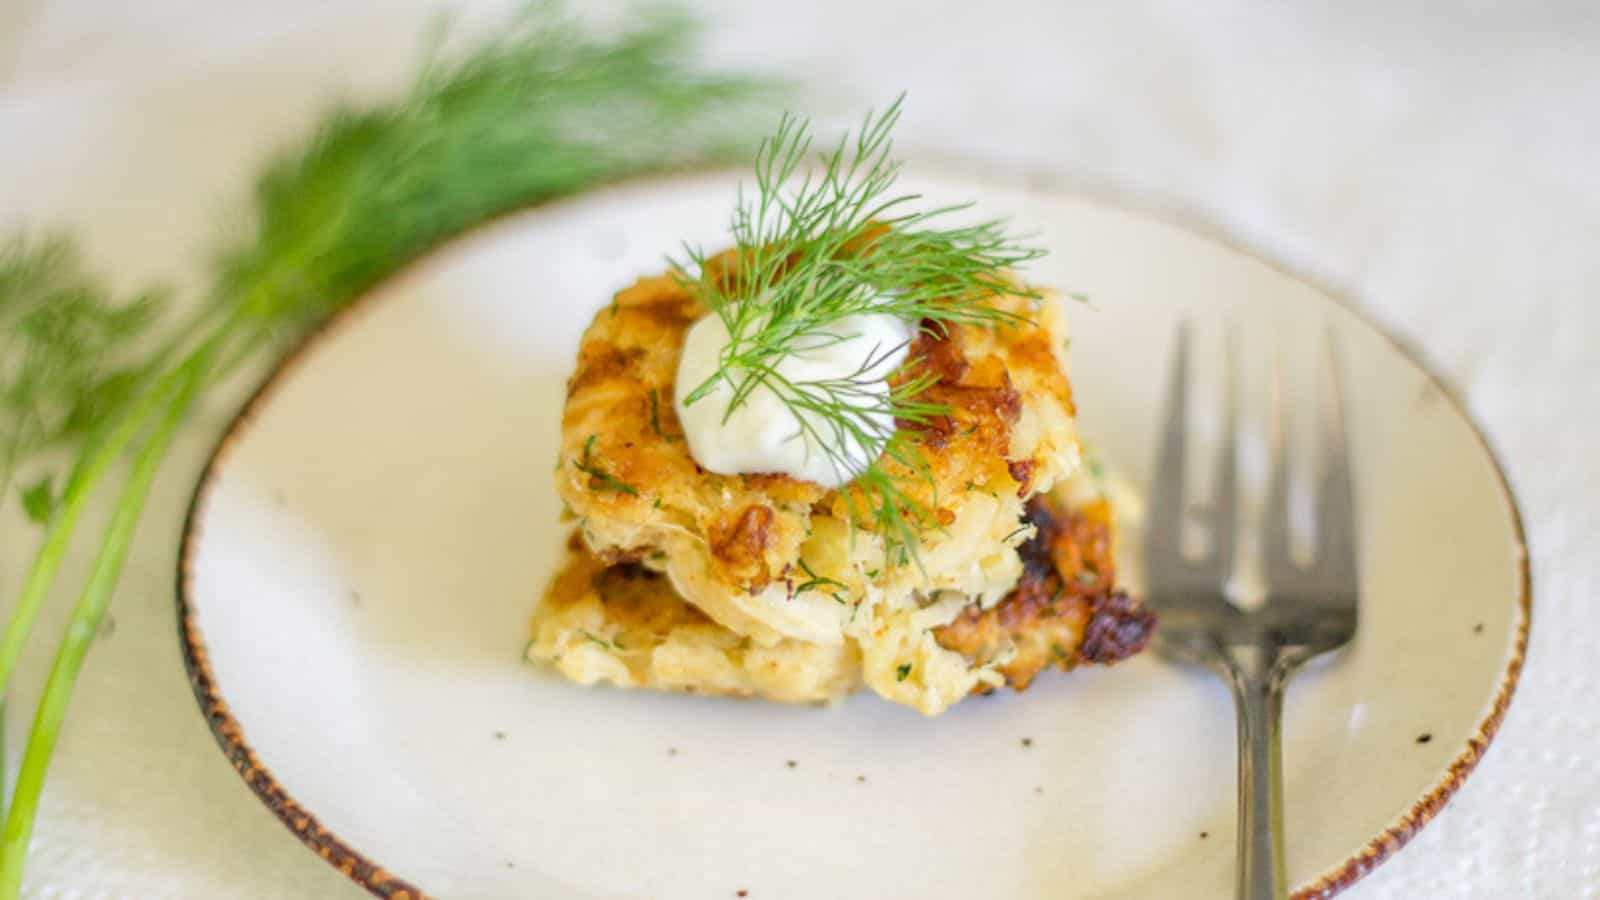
x=763, y=434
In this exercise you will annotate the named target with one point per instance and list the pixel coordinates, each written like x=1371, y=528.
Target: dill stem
x=86, y=473
x=186, y=381
x=91, y=467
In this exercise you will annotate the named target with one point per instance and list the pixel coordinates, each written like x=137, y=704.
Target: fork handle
x=1258, y=677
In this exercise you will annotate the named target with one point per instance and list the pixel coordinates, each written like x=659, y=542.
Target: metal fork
x=1308, y=609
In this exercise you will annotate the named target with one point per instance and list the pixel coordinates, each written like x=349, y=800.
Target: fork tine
x=1164, y=532
x=1225, y=502
x=1277, y=524
x=1336, y=551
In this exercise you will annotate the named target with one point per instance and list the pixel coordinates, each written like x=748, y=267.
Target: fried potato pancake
x=766, y=556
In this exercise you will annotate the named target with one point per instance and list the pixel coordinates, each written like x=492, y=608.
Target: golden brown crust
x=623, y=624
x=621, y=393
x=1064, y=611
x=739, y=544
x=631, y=593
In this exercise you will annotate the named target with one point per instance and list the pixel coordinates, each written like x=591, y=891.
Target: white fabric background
x=1441, y=163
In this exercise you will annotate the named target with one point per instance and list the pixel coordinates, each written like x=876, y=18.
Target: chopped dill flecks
x=655, y=419
x=599, y=479
x=818, y=581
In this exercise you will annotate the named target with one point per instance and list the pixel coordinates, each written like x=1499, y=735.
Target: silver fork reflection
x=1308, y=608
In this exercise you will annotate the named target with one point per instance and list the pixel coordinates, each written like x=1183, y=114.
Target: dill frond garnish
x=814, y=247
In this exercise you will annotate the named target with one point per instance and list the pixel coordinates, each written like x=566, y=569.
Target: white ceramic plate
x=364, y=551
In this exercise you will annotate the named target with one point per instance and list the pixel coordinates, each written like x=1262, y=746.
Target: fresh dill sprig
x=814, y=247
x=542, y=111
x=67, y=343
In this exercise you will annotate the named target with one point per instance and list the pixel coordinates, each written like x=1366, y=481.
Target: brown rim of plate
x=382, y=883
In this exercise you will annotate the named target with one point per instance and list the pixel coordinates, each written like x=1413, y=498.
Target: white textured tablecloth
x=1440, y=163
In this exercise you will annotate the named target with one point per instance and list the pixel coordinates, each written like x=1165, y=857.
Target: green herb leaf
x=903, y=671
x=38, y=500
x=68, y=348
x=655, y=419
x=599, y=479
x=816, y=581
x=540, y=111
